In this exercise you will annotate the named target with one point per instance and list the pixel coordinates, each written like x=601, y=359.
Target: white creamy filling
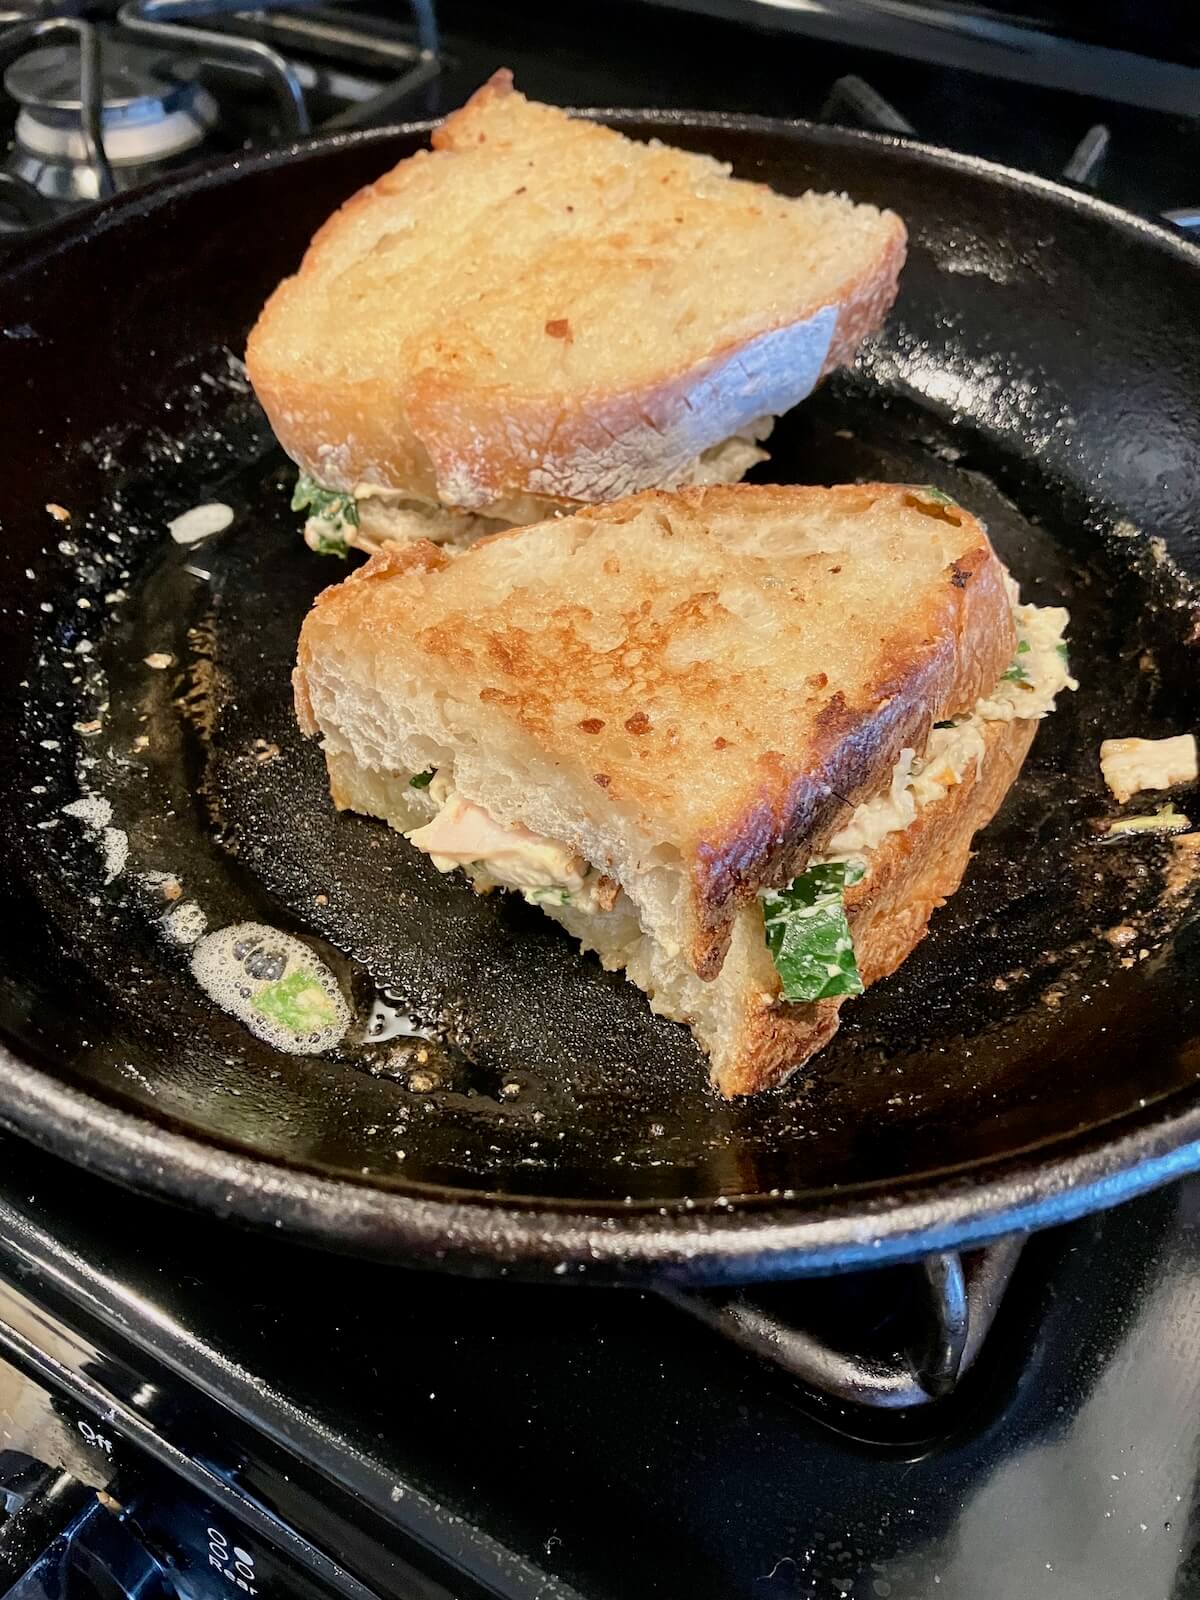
x=506, y=856
x=1131, y=765
x=394, y=515
x=1027, y=690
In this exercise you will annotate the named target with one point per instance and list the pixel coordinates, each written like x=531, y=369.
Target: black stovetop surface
x=556, y=1440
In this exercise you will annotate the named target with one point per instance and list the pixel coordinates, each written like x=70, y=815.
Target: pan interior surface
x=157, y=783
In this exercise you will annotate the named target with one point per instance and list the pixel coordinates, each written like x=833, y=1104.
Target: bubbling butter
x=274, y=985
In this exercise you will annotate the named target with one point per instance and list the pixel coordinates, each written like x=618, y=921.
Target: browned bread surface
x=541, y=306
x=711, y=679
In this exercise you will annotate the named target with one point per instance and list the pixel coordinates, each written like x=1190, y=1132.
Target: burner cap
x=48, y=79
x=149, y=113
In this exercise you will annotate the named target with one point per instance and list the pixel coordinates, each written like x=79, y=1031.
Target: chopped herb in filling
x=808, y=933
x=331, y=514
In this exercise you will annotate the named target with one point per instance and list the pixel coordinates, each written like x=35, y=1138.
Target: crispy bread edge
x=769, y=844
x=621, y=441
x=910, y=876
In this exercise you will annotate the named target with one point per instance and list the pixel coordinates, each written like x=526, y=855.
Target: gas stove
x=188, y=1410
x=108, y=99
x=103, y=95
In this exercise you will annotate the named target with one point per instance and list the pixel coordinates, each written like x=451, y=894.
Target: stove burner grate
x=132, y=103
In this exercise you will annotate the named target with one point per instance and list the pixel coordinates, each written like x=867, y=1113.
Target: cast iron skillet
x=1036, y=1057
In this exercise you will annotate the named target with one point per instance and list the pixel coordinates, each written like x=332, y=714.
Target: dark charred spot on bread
x=961, y=571
x=612, y=566
x=592, y=725
x=560, y=328
x=497, y=697
x=720, y=744
x=818, y=680
x=522, y=189
x=602, y=778
x=638, y=723
x=833, y=571
x=835, y=714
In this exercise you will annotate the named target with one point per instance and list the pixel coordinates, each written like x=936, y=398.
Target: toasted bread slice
x=692, y=690
x=541, y=312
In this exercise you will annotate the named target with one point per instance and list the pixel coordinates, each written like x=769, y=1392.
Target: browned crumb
x=89, y=727
x=265, y=751
x=322, y=899
x=59, y=513
x=1121, y=935
x=159, y=660
x=172, y=889
x=1183, y=869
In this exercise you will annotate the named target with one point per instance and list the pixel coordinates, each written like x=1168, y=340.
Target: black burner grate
x=371, y=69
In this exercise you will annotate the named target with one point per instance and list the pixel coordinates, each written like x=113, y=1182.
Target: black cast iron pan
x=1038, y=1055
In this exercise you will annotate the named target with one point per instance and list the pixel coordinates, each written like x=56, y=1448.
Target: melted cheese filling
x=1131, y=765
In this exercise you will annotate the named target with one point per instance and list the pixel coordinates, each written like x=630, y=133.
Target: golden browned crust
x=747, y=765
x=961, y=641
x=909, y=876
x=436, y=426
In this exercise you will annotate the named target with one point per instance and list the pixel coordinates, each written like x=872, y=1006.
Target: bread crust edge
x=909, y=876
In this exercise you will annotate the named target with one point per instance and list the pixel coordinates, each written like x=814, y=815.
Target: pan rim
x=111, y=212
x=684, y=1246
x=741, y=1241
